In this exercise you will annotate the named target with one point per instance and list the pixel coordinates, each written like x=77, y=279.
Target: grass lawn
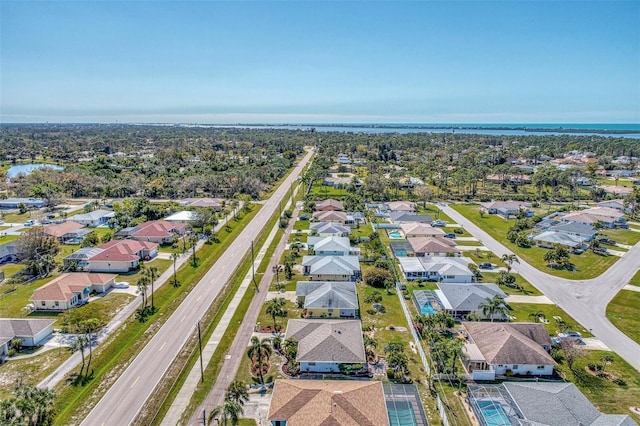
x=607, y=396
x=527, y=288
x=293, y=312
x=301, y=225
x=104, y=308
x=29, y=370
x=622, y=236
x=132, y=277
x=244, y=372
x=522, y=311
x=8, y=238
x=635, y=280
x=468, y=243
x=12, y=303
x=587, y=265
x=622, y=311
x=11, y=269
x=448, y=229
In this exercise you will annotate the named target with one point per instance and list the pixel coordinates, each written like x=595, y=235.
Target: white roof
x=182, y=216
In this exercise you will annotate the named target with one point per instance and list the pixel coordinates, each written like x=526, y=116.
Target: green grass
x=587, y=265
x=9, y=270
x=468, y=243
x=607, y=396
x=8, y=238
x=113, y=355
x=103, y=308
x=293, y=312
x=622, y=311
x=301, y=225
x=622, y=236
x=12, y=303
x=132, y=277
x=527, y=288
x=635, y=280
x=522, y=310
x=30, y=371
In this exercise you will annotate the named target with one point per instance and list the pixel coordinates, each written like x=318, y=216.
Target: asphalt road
x=125, y=398
x=585, y=300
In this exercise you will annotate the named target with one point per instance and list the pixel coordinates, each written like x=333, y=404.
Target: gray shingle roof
x=332, y=265
x=329, y=228
x=400, y=216
x=329, y=295
x=466, y=297
x=327, y=340
x=332, y=243
x=12, y=327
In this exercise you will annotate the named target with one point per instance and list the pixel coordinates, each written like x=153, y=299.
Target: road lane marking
x=198, y=299
x=134, y=383
x=162, y=346
x=182, y=320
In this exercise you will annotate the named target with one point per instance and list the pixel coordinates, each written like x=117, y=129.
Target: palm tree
x=606, y=360
x=143, y=284
x=369, y=345
x=492, y=306
x=193, y=239
x=509, y=259
x=536, y=316
x=258, y=350
x=78, y=345
x=275, y=308
x=174, y=257
x=227, y=413
x=152, y=273
x=237, y=392
x=550, y=257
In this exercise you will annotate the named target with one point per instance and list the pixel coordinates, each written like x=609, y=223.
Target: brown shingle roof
x=329, y=204
x=333, y=402
x=511, y=343
x=58, y=230
x=432, y=245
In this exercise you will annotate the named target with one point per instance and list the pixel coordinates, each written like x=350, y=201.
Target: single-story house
x=343, y=159
x=69, y=290
x=332, y=216
x=327, y=299
x=444, y=269
x=507, y=209
x=406, y=217
x=113, y=256
x=539, y=403
x=414, y=230
x=8, y=252
x=325, y=344
x=156, y=231
x=182, y=216
x=616, y=190
x=549, y=239
x=429, y=247
x=329, y=205
x=461, y=300
x=354, y=219
x=578, y=229
x=14, y=203
x=32, y=332
x=328, y=402
x=617, y=204
x=93, y=219
x=401, y=206
x=326, y=229
x=331, y=246
x=499, y=348
x=607, y=217
x=331, y=268
x=67, y=232
x=215, y=203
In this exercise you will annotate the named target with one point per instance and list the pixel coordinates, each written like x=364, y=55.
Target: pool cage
x=404, y=405
x=426, y=302
x=493, y=406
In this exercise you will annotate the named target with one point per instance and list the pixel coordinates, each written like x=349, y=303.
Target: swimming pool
x=493, y=414
x=427, y=309
x=395, y=235
x=401, y=413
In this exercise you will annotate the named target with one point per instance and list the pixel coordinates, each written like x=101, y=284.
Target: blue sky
x=301, y=61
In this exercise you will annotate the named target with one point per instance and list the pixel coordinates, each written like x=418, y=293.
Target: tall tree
x=258, y=351
x=153, y=274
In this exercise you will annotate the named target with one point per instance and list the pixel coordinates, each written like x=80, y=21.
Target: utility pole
x=253, y=271
x=200, y=344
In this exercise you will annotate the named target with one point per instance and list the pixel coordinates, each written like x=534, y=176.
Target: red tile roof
x=59, y=230
x=63, y=287
x=123, y=250
x=157, y=228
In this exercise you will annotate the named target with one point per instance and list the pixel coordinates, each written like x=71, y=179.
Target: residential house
x=330, y=216
x=328, y=402
x=549, y=239
x=14, y=203
x=417, y=230
x=8, y=252
x=616, y=190
x=401, y=206
x=157, y=231
x=343, y=159
x=429, y=247
x=354, y=219
x=400, y=217
x=68, y=232
x=495, y=349
x=331, y=246
x=215, y=203
x=327, y=229
x=605, y=216
x=337, y=299
x=69, y=290
x=539, y=403
x=507, y=209
x=329, y=205
x=331, y=268
x=442, y=269
x=93, y=219
x=323, y=345
x=32, y=332
x=182, y=216
x=460, y=300
x=114, y=256
x=617, y=204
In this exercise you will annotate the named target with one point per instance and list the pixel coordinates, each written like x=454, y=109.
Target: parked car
x=570, y=336
x=303, y=217
x=485, y=265
x=438, y=223
x=450, y=235
x=1, y=222
x=121, y=285
x=30, y=222
x=606, y=241
x=600, y=250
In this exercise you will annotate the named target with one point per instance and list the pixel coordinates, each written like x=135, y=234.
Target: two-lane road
x=585, y=300
x=125, y=398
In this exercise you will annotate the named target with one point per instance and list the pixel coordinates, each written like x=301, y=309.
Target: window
x=43, y=303
x=541, y=367
x=515, y=366
x=311, y=363
x=57, y=303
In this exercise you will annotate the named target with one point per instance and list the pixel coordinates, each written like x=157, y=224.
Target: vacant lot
x=622, y=311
